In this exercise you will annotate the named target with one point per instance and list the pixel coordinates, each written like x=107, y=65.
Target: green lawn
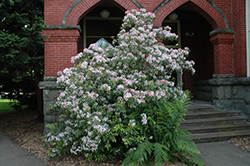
x=5, y=106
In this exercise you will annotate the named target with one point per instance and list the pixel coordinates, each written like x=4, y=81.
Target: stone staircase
x=208, y=124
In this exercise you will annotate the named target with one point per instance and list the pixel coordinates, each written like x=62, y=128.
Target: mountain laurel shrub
x=122, y=101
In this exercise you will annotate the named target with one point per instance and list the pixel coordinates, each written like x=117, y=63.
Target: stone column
x=50, y=93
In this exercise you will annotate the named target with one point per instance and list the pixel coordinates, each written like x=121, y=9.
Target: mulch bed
x=243, y=143
x=23, y=128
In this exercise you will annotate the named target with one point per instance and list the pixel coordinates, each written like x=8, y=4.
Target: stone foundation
x=231, y=93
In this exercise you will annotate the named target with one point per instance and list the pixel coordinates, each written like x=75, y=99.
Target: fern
x=140, y=155
x=169, y=143
x=161, y=153
x=188, y=148
x=143, y=154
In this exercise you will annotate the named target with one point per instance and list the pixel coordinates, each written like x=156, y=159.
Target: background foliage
x=21, y=45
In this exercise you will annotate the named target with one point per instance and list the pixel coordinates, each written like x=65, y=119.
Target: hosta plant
x=122, y=101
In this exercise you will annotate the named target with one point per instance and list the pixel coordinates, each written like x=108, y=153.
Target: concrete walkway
x=220, y=153
x=223, y=154
x=12, y=154
x=212, y=154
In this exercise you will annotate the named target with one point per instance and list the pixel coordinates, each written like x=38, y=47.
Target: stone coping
x=224, y=79
x=230, y=81
x=62, y=27
x=49, y=83
x=221, y=31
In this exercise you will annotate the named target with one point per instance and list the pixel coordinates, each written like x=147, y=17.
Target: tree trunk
x=39, y=94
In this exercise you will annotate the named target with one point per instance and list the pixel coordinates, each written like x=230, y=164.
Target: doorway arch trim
x=223, y=15
x=77, y=2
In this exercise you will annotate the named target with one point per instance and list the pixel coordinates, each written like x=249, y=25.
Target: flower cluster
x=106, y=92
x=144, y=119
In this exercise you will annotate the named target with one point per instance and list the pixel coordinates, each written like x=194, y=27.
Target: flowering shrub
x=112, y=97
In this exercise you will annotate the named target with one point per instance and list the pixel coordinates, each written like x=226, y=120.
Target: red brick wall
x=223, y=53
x=150, y=5
x=226, y=7
x=239, y=47
x=228, y=58
x=54, y=11
x=60, y=46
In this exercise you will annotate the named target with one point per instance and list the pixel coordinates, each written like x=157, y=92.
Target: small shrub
x=121, y=101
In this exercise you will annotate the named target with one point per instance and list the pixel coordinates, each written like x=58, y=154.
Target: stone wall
x=231, y=93
x=50, y=93
x=226, y=92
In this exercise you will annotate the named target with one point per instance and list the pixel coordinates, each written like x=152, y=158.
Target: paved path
x=11, y=154
x=223, y=154
x=212, y=154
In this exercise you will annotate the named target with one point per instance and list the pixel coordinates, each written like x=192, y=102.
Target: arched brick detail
x=128, y=5
x=204, y=8
x=78, y=10
x=76, y=13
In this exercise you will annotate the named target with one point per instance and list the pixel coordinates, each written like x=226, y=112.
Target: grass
x=5, y=106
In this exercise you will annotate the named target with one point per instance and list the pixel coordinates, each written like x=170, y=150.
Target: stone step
x=214, y=121
x=202, y=108
x=209, y=114
x=219, y=136
x=215, y=128
x=208, y=124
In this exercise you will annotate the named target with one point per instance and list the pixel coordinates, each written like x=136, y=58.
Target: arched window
x=104, y=21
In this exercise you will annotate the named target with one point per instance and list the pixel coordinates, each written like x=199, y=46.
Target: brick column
x=223, y=53
x=60, y=44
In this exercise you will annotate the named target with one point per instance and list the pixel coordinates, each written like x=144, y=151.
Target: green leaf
x=161, y=153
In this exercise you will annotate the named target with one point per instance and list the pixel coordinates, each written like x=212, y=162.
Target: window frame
x=178, y=31
x=97, y=37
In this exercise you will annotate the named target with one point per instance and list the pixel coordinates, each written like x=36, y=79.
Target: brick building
x=216, y=31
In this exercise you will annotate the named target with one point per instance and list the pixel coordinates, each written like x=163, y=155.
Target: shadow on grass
x=5, y=106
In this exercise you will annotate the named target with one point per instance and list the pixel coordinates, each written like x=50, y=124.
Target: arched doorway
x=102, y=21
x=193, y=30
